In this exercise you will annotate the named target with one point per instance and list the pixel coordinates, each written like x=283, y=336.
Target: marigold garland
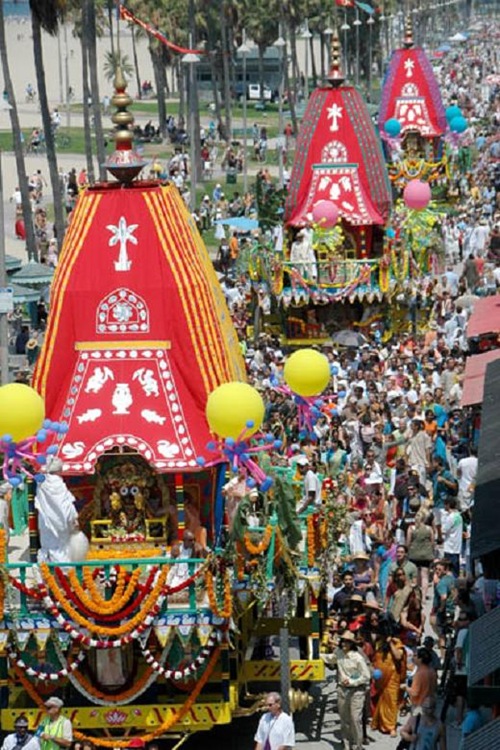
x=3, y=553
x=121, y=697
x=150, y=604
x=228, y=599
x=311, y=546
x=169, y=721
x=104, y=618
x=94, y=599
x=258, y=549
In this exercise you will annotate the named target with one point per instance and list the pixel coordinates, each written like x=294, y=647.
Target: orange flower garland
x=228, y=599
x=100, y=630
x=95, y=602
x=161, y=729
x=115, y=698
x=240, y=562
x=311, y=546
x=258, y=549
x=3, y=554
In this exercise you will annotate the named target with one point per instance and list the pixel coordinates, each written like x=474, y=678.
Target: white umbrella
x=467, y=300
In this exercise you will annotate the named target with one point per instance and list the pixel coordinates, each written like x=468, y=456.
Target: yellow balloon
x=231, y=407
x=307, y=372
x=22, y=411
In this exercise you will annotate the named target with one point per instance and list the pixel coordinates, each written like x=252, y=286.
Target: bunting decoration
x=126, y=15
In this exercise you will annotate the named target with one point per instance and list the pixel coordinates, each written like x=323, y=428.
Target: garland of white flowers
x=42, y=675
x=112, y=703
x=189, y=670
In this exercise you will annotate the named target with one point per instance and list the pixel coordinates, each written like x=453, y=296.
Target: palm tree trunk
x=261, y=49
x=136, y=64
x=181, y=87
x=314, y=71
x=18, y=145
x=111, y=32
x=160, y=79
x=55, y=182
x=290, y=95
x=295, y=64
x=86, y=110
x=227, y=74
x=90, y=32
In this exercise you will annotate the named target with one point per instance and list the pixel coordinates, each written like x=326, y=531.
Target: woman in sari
x=385, y=555
x=390, y=660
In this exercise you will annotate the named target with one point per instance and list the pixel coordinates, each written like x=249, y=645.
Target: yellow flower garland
x=95, y=602
x=311, y=546
x=161, y=729
x=3, y=555
x=115, y=632
x=228, y=599
x=258, y=549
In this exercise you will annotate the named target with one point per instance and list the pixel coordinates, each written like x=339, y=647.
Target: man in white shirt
x=276, y=730
x=312, y=485
x=467, y=472
x=452, y=529
x=20, y=738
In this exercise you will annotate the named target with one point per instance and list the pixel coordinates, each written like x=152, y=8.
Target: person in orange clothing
x=424, y=681
x=234, y=249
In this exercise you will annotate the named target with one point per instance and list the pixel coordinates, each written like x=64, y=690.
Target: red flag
x=345, y=3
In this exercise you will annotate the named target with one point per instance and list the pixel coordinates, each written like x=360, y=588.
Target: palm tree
x=46, y=14
x=115, y=60
x=89, y=30
x=18, y=145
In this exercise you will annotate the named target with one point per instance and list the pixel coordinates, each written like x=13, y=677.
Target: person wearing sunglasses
x=276, y=730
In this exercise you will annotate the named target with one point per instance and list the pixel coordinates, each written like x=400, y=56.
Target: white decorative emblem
x=122, y=233
x=409, y=65
x=152, y=416
x=122, y=398
x=89, y=416
x=334, y=114
x=147, y=380
x=73, y=450
x=98, y=378
x=122, y=312
x=167, y=449
x=334, y=152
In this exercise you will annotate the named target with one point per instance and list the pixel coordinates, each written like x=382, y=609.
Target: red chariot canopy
x=338, y=159
x=138, y=333
x=411, y=95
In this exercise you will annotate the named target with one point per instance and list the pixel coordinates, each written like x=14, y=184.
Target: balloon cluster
x=457, y=124
x=238, y=454
x=306, y=374
x=23, y=431
x=18, y=455
x=235, y=412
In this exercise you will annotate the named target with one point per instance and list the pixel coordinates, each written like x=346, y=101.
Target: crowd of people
x=399, y=454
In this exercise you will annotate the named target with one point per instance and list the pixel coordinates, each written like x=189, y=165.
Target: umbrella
x=348, y=338
x=242, y=223
x=493, y=79
x=444, y=48
x=458, y=37
x=466, y=300
x=33, y=274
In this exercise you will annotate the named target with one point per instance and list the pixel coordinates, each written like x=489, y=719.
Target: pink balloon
x=417, y=195
x=325, y=213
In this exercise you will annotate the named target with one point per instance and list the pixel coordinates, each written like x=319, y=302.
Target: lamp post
x=345, y=28
x=370, y=23
x=243, y=50
x=280, y=45
x=357, y=24
x=328, y=33
x=4, y=328
x=306, y=36
x=190, y=60
x=66, y=71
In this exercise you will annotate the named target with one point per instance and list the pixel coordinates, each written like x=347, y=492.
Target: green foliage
x=115, y=60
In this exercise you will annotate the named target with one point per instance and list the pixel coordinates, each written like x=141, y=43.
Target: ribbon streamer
x=126, y=15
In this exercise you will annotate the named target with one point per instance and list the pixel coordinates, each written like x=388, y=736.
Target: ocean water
x=16, y=7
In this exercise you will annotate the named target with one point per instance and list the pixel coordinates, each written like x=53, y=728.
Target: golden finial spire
x=336, y=76
x=124, y=163
x=408, y=40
